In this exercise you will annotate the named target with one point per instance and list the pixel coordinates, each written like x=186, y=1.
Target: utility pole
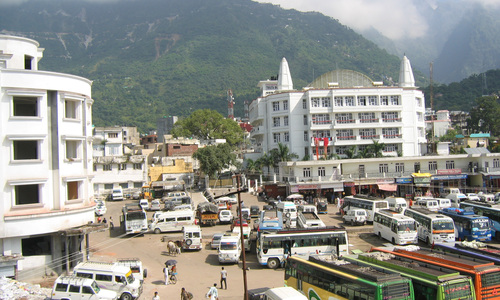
x=243, y=258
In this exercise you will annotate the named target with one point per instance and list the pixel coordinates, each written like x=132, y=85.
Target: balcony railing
x=347, y=137
x=390, y=120
x=369, y=137
x=350, y=121
x=321, y=122
x=369, y=120
x=392, y=136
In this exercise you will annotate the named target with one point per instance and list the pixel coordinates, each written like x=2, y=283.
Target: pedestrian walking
x=213, y=294
x=156, y=296
x=104, y=220
x=165, y=272
x=111, y=225
x=185, y=295
x=223, y=277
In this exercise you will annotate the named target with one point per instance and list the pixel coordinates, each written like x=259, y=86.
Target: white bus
x=133, y=219
x=370, y=204
x=282, y=293
x=395, y=227
x=433, y=228
x=172, y=220
x=274, y=247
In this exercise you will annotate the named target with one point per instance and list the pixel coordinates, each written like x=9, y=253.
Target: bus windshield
x=480, y=224
x=136, y=216
x=406, y=226
x=443, y=225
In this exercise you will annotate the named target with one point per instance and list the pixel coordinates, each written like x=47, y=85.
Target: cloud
x=395, y=19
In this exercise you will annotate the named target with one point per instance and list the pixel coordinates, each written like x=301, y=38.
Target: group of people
x=103, y=220
x=185, y=295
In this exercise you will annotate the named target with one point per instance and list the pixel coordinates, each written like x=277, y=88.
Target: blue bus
x=468, y=225
x=270, y=221
x=492, y=211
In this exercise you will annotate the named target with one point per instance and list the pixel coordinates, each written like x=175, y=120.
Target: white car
x=355, y=217
x=100, y=209
x=216, y=240
x=472, y=197
x=144, y=203
x=226, y=216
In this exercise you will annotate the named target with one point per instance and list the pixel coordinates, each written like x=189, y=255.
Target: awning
x=388, y=187
x=421, y=174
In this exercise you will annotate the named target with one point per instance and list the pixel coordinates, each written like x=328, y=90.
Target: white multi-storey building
x=338, y=110
x=46, y=157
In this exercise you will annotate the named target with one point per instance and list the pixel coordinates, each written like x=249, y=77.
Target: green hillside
x=153, y=58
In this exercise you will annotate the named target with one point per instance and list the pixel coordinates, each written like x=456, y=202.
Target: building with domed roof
x=338, y=110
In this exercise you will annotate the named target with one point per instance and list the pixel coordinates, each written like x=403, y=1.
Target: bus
x=395, y=227
x=487, y=252
x=270, y=220
x=484, y=274
x=133, y=219
x=322, y=279
x=370, y=204
x=273, y=247
x=492, y=211
x=429, y=282
x=433, y=228
x=469, y=226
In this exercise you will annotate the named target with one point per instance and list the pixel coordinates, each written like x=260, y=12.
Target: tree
x=282, y=154
x=449, y=136
x=208, y=124
x=484, y=116
x=265, y=161
x=376, y=148
x=214, y=159
x=252, y=166
x=350, y=152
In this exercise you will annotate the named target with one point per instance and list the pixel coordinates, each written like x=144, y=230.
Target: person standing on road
x=185, y=295
x=223, y=277
x=165, y=272
x=111, y=225
x=213, y=294
x=156, y=296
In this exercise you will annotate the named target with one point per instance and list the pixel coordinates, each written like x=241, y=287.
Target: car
x=100, y=209
x=254, y=211
x=472, y=197
x=216, y=240
x=144, y=203
x=233, y=199
x=236, y=223
x=355, y=216
x=155, y=205
x=225, y=216
x=136, y=195
x=267, y=207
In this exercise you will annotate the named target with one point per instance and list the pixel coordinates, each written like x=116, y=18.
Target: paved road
x=198, y=270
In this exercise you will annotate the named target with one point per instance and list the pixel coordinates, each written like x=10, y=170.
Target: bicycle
x=172, y=278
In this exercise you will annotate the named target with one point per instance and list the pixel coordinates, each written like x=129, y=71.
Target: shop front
x=447, y=178
x=421, y=184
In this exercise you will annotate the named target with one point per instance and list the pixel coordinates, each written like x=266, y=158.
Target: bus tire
x=126, y=296
x=379, y=234
x=427, y=241
x=273, y=263
x=157, y=231
x=145, y=273
x=393, y=241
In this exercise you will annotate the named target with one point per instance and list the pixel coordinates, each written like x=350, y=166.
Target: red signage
x=449, y=171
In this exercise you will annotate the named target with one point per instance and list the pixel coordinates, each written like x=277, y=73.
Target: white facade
x=46, y=153
x=345, y=107
x=114, y=167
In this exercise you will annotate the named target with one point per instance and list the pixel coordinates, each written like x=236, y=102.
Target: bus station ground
x=199, y=270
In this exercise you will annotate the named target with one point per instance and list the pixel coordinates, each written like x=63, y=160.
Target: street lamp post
x=189, y=184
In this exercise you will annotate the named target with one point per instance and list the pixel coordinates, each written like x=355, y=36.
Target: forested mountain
x=152, y=58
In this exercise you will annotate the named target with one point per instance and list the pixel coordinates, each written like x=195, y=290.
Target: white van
x=144, y=203
x=117, y=194
x=135, y=266
x=72, y=287
x=456, y=198
x=171, y=220
x=192, y=237
x=230, y=248
x=444, y=202
x=285, y=292
x=428, y=203
x=450, y=190
x=111, y=276
x=397, y=204
x=289, y=211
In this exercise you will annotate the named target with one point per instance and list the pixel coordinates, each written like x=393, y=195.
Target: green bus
x=320, y=278
x=429, y=282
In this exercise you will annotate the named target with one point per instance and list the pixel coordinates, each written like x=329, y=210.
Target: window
x=103, y=277
x=25, y=107
x=384, y=100
x=306, y=172
x=25, y=149
x=27, y=194
x=277, y=137
x=315, y=102
x=286, y=136
x=367, y=117
x=325, y=102
x=304, y=103
x=61, y=287
x=87, y=290
x=321, y=171
x=349, y=101
x=372, y=100
x=72, y=149
x=285, y=121
x=28, y=62
x=112, y=135
x=433, y=165
x=400, y=167
x=321, y=119
x=345, y=134
x=361, y=100
x=367, y=134
x=344, y=118
x=420, y=116
x=419, y=101
x=321, y=133
x=390, y=116
x=122, y=167
x=74, y=289
x=276, y=106
x=71, y=109
x=305, y=120
x=306, y=136
x=339, y=101
x=390, y=148
x=340, y=149
x=107, y=167
x=496, y=163
x=390, y=133
x=276, y=122
x=450, y=164
x=137, y=166
x=383, y=168
x=395, y=100
x=73, y=188
x=285, y=105
x=416, y=167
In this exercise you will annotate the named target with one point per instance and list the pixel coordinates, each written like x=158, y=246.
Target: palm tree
x=282, y=154
x=351, y=152
x=252, y=166
x=377, y=148
x=265, y=161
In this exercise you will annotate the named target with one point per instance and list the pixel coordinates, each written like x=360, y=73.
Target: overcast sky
x=392, y=18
